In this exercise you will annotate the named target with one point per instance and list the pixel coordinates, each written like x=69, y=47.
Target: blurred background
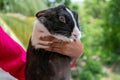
x=99, y=24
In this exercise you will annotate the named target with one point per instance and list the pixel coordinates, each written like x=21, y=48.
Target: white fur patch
x=39, y=30
x=76, y=34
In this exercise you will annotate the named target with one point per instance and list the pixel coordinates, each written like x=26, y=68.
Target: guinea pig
x=61, y=23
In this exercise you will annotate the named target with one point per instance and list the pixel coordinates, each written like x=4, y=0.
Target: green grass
x=21, y=27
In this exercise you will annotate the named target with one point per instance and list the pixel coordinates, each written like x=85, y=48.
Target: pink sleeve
x=73, y=64
x=12, y=56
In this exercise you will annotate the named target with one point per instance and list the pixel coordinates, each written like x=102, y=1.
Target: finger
x=41, y=46
x=59, y=43
x=50, y=38
x=47, y=38
x=57, y=40
x=45, y=43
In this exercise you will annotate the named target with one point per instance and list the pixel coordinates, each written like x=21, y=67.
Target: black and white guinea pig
x=61, y=23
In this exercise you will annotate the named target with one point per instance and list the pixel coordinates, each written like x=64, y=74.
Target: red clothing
x=12, y=56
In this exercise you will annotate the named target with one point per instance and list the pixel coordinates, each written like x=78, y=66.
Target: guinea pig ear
x=40, y=16
x=40, y=13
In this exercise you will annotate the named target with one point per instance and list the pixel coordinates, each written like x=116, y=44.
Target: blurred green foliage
x=86, y=75
x=94, y=66
x=53, y=3
x=99, y=24
x=21, y=27
x=26, y=7
x=91, y=70
x=111, y=26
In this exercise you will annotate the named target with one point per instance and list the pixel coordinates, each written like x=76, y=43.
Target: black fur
x=52, y=22
x=45, y=65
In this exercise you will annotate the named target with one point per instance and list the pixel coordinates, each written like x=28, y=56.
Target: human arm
x=72, y=49
x=12, y=56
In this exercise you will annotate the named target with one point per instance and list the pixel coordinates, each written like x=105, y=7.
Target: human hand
x=72, y=49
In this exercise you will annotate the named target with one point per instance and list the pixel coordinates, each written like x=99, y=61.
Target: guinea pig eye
x=62, y=19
